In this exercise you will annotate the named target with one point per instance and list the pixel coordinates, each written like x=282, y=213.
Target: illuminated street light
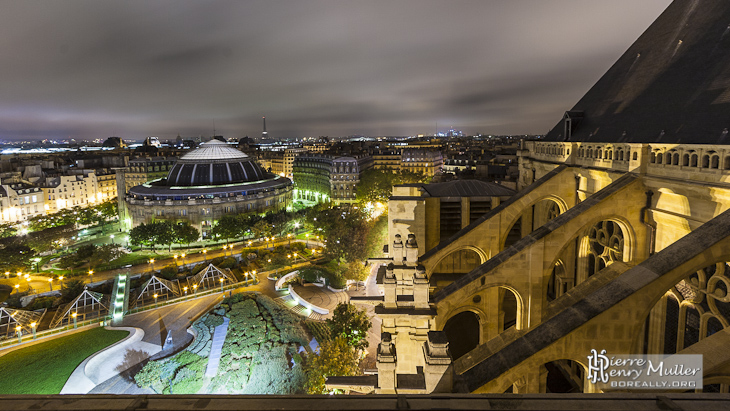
x=112, y=238
x=74, y=315
x=19, y=333
x=195, y=288
x=50, y=283
x=186, y=290
x=91, y=275
x=205, y=255
x=221, y=280
x=32, y=327
x=155, y=299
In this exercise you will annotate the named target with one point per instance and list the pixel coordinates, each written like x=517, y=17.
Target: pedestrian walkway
x=214, y=358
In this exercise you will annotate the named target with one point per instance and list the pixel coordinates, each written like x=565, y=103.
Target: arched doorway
x=462, y=331
x=564, y=376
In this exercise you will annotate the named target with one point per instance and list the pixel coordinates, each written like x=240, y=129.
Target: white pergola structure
x=86, y=306
x=10, y=318
x=210, y=277
x=159, y=287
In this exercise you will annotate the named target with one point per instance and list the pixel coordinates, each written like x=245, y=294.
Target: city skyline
x=89, y=70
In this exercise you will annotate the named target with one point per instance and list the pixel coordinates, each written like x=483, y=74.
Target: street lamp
x=195, y=288
x=205, y=255
x=152, y=263
x=221, y=280
x=225, y=247
x=186, y=290
x=175, y=257
x=112, y=238
x=50, y=283
x=32, y=327
x=17, y=287
x=74, y=315
x=60, y=279
x=91, y=275
x=155, y=299
x=307, y=235
x=295, y=257
x=19, y=333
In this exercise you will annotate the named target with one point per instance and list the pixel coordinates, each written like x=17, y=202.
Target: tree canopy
x=350, y=323
x=335, y=358
x=377, y=185
x=163, y=232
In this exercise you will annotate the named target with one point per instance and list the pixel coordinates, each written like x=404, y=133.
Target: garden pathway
x=214, y=358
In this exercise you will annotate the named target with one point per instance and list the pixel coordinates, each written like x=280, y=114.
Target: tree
x=345, y=229
x=15, y=256
x=335, y=358
x=228, y=226
x=185, y=233
x=164, y=232
x=142, y=235
x=261, y=229
x=103, y=254
x=71, y=290
x=356, y=271
x=377, y=185
x=50, y=238
x=7, y=230
x=350, y=324
x=85, y=253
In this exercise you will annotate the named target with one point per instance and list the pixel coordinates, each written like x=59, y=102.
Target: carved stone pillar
x=386, y=364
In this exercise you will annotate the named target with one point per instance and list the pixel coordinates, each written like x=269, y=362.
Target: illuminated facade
x=322, y=178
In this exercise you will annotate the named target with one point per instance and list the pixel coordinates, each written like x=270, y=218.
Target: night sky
x=93, y=69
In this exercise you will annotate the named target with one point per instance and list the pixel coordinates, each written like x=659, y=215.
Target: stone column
x=398, y=250
x=420, y=288
x=438, y=367
x=390, y=285
x=411, y=250
x=386, y=364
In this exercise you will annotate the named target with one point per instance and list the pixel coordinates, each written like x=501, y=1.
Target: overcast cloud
x=93, y=69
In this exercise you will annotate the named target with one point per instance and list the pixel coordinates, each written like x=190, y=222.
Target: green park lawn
x=44, y=368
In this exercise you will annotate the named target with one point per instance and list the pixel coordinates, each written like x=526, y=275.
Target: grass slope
x=44, y=368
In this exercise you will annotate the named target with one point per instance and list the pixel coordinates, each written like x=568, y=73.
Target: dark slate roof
x=671, y=86
x=467, y=188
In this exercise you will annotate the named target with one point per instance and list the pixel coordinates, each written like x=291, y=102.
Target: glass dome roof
x=214, y=163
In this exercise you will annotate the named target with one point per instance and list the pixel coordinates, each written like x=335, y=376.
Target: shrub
x=169, y=272
x=41, y=303
x=320, y=331
x=213, y=320
x=229, y=262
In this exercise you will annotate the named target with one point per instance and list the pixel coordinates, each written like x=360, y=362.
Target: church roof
x=466, y=188
x=671, y=86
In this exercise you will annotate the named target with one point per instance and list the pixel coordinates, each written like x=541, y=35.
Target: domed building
x=209, y=181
